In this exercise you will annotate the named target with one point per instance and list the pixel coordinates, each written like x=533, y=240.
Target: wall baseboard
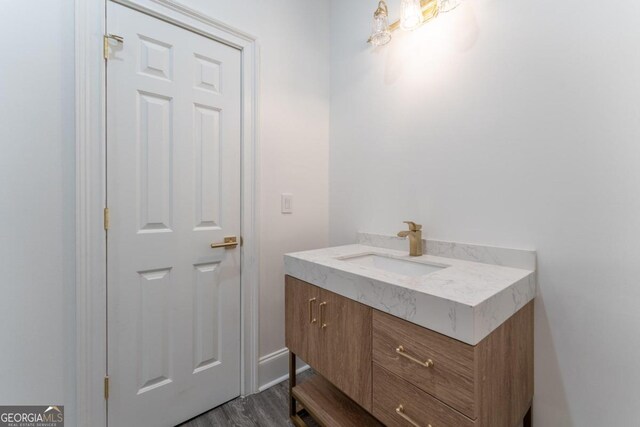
x=273, y=368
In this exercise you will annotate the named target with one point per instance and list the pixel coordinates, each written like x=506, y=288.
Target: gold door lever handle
x=229, y=243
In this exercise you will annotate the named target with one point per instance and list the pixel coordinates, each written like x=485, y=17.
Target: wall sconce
x=380, y=33
x=413, y=13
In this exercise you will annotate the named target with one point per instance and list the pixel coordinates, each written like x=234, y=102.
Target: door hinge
x=105, y=43
x=106, y=218
x=106, y=387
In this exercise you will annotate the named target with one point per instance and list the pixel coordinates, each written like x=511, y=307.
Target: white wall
x=509, y=123
x=37, y=306
x=294, y=142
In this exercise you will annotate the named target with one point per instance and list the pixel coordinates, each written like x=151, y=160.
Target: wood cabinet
x=301, y=322
x=333, y=335
x=377, y=365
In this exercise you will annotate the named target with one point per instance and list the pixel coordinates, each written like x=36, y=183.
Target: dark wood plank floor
x=267, y=409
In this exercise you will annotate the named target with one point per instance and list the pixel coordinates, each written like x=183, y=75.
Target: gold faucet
x=415, y=238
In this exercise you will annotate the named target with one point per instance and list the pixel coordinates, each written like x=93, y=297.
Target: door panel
x=154, y=351
x=155, y=145
x=206, y=301
x=207, y=185
x=173, y=188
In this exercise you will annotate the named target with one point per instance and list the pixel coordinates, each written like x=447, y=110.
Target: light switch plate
x=286, y=203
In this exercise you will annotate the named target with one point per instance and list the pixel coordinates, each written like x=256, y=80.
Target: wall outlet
x=286, y=203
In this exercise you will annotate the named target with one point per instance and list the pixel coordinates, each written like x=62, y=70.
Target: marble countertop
x=466, y=300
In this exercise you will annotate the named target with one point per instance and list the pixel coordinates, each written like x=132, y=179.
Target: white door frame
x=91, y=337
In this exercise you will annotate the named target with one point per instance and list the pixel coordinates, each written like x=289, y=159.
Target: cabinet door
x=301, y=319
x=345, y=339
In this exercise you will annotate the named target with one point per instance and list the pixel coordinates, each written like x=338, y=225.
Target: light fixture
x=380, y=33
x=412, y=14
x=448, y=5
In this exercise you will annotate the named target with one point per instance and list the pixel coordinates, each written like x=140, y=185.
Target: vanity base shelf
x=327, y=405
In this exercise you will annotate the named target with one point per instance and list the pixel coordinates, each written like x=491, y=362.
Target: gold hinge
x=106, y=218
x=105, y=43
x=106, y=387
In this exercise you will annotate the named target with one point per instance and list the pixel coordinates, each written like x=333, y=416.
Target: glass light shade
x=380, y=33
x=410, y=14
x=447, y=5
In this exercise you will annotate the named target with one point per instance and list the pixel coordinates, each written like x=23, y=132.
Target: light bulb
x=410, y=14
x=380, y=33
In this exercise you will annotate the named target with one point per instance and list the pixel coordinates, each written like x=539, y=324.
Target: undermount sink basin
x=394, y=265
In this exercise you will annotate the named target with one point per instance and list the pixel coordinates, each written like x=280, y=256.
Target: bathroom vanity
x=411, y=341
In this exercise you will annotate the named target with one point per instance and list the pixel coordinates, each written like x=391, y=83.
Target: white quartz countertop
x=466, y=300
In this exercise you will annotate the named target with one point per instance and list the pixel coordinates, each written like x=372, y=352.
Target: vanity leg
x=292, y=384
x=293, y=405
x=528, y=418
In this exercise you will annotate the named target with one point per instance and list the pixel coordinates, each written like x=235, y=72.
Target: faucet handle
x=413, y=226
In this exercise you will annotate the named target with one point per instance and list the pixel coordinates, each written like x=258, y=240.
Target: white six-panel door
x=173, y=189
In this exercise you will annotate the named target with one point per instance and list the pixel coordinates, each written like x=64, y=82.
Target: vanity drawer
x=394, y=398
x=404, y=348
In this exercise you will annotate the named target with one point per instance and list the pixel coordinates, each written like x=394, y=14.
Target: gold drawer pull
x=311, y=318
x=322, y=308
x=229, y=243
x=400, y=411
x=401, y=352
